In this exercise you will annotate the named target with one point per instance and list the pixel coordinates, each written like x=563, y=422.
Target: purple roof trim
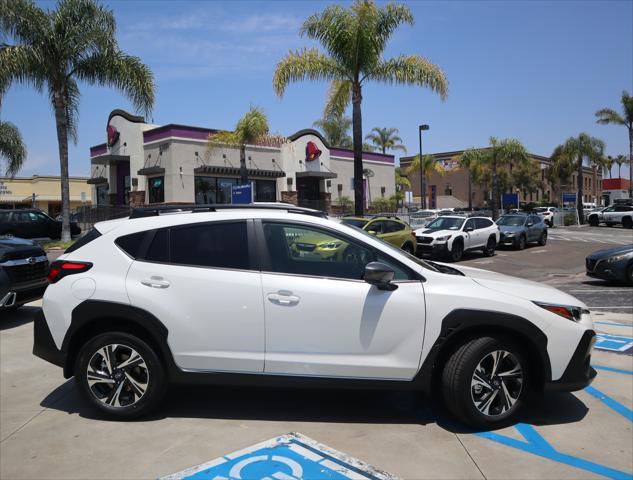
x=98, y=150
x=378, y=157
x=171, y=130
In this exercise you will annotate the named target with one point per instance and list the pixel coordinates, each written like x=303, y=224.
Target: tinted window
x=131, y=244
x=87, y=238
x=354, y=222
x=445, y=223
x=303, y=250
x=483, y=222
x=470, y=224
x=223, y=245
x=21, y=217
x=158, y=250
x=511, y=220
x=534, y=219
x=395, y=226
x=376, y=226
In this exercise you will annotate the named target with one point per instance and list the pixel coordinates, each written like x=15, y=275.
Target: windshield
x=511, y=221
x=445, y=223
x=541, y=210
x=354, y=222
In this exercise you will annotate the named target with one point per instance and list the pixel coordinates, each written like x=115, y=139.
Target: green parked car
x=389, y=229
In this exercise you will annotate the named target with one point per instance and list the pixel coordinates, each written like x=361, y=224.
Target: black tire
x=627, y=222
x=489, y=249
x=629, y=274
x=408, y=247
x=543, y=238
x=455, y=255
x=152, y=376
x=593, y=221
x=522, y=242
x=460, y=396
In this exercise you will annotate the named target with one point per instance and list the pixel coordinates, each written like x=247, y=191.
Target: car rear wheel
x=484, y=382
x=522, y=242
x=593, y=221
x=456, y=252
x=120, y=375
x=489, y=250
x=543, y=239
x=627, y=222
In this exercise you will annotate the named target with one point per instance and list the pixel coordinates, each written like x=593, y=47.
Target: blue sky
x=533, y=70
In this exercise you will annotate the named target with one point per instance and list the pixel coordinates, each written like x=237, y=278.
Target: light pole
x=422, y=174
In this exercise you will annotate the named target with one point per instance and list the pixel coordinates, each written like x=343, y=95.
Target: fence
x=87, y=216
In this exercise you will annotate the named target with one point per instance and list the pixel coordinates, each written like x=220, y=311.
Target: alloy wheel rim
x=497, y=383
x=117, y=375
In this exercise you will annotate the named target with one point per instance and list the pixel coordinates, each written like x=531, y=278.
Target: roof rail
x=140, y=212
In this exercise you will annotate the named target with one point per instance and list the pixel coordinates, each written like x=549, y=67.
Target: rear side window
x=223, y=245
x=483, y=222
x=80, y=242
x=131, y=244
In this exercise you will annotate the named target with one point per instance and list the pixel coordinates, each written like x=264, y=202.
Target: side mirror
x=380, y=275
x=372, y=232
x=468, y=229
x=529, y=224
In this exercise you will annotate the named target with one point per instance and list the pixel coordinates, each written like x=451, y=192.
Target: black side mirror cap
x=380, y=275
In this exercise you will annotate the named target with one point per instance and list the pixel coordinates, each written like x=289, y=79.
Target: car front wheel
x=455, y=255
x=522, y=243
x=120, y=375
x=484, y=382
x=490, y=247
x=543, y=239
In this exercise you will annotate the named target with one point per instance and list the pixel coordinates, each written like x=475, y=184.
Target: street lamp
x=422, y=175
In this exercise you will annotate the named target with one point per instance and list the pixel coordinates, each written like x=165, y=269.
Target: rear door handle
x=155, y=282
x=284, y=298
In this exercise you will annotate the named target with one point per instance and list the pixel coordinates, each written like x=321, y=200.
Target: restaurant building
x=142, y=163
x=450, y=189
x=43, y=192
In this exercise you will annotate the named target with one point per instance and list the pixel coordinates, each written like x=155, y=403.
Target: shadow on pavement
x=309, y=405
x=16, y=318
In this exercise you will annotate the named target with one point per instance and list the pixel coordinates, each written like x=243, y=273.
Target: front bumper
x=43, y=343
x=605, y=270
x=579, y=372
x=437, y=249
x=507, y=240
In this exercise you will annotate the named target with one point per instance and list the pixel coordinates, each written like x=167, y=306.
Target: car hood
x=13, y=247
x=510, y=228
x=518, y=287
x=609, y=252
x=435, y=233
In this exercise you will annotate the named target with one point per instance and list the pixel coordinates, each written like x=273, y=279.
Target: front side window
x=221, y=245
x=470, y=224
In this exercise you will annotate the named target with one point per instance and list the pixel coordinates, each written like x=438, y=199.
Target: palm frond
x=334, y=28
x=609, y=116
x=388, y=20
x=339, y=96
x=306, y=64
x=627, y=107
x=24, y=21
x=22, y=64
x=123, y=72
x=411, y=70
x=12, y=148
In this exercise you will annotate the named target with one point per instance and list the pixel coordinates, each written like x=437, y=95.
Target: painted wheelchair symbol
x=275, y=463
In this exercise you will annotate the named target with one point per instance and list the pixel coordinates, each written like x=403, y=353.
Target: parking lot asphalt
x=46, y=432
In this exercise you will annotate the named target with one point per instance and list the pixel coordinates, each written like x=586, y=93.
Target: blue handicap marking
x=613, y=343
x=288, y=457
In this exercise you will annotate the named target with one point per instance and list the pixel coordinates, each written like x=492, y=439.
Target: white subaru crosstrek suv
x=449, y=236
x=282, y=296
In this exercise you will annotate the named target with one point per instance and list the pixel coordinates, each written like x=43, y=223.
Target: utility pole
x=422, y=173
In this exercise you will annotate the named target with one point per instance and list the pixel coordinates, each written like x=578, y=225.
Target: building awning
x=252, y=173
x=110, y=159
x=96, y=180
x=151, y=171
x=316, y=175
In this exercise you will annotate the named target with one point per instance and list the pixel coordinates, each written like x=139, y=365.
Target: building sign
x=569, y=198
x=242, y=194
x=312, y=152
x=510, y=199
x=449, y=164
x=4, y=190
x=113, y=135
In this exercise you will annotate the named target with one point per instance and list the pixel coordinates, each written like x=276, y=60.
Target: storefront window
x=156, y=188
x=224, y=189
x=102, y=195
x=265, y=191
x=205, y=190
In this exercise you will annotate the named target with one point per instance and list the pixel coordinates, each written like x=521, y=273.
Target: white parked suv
x=280, y=295
x=449, y=236
x=547, y=213
x=613, y=215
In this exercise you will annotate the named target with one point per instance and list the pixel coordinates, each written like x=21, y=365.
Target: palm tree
x=608, y=116
x=251, y=129
x=561, y=169
x=402, y=183
x=55, y=50
x=473, y=161
x=619, y=161
x=386, y=139
x=578, y=148
x=427, y=166
x=607, y=164
x=354, y=40
x=335, y=128
x=12, y=148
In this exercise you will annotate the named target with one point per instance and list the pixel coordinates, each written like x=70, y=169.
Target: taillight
x=61, y=268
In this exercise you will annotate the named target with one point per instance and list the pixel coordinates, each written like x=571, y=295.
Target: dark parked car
x=32, y=223
x=517, y=230
x=612, y=264
x=23, y=270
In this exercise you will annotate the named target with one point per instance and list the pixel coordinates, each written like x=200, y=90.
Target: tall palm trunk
x=495, y=200
x=61, y=121
x=630, y=162
x=579, y=196
x=357, y=131
x=470, y=190
x=243, y=169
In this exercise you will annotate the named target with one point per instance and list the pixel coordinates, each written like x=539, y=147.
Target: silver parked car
x=517, y=230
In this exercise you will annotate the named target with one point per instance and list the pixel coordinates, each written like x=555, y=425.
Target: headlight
x=566, y=311
x=330, y=245
x=443, y=239
x=617, y=258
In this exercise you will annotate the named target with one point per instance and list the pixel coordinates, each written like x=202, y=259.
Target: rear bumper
x=43, y=343
x=579, y=372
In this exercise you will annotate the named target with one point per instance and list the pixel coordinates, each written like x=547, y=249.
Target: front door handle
x=284, y=298
x=155, y=282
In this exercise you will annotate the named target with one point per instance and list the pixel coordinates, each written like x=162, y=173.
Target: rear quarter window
x=132, y=243
x=84, y=240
